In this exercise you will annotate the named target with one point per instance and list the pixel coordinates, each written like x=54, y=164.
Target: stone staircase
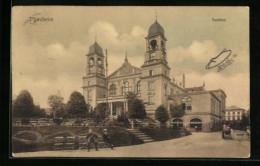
x=141, y=135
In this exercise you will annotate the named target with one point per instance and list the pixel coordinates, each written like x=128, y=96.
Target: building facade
x=234, y=113
x=152, y=83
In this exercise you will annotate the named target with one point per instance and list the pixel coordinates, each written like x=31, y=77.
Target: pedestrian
x=196, y=129
x=107, y=139
x=92, y=139
x=223, y=130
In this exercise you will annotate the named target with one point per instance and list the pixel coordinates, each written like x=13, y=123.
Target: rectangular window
x=150, y=99
x=189, y=107
x=150, y=72
x=89, y=93
x=150, y=86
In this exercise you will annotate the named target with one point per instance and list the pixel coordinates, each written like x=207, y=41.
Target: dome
x=155, y=29
x=95, y=48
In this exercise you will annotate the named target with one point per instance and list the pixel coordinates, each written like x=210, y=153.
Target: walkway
x=207, y=145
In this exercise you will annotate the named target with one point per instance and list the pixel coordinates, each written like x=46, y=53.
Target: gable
x=125, y=70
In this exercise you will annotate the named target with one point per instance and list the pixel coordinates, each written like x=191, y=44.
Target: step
x=148, y=140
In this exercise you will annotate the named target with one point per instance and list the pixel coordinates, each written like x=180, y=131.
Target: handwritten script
x=222, y=60
x=37, y=18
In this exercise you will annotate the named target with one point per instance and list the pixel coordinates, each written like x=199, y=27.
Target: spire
x=95, y=34
x=156, y=15
x=126, y=60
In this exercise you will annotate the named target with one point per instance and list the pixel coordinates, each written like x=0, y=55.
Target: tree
x=57, y=105
x=39, y=112
x=23, y=105
x=100, y=112
x=177, y=111
x=76, y=106
x=136, y=107
x=161, y=114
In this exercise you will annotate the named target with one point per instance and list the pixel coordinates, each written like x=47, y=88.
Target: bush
x=57, y=121
x=25, y=121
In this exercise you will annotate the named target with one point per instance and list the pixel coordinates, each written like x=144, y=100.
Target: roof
x=155, y=29
x=95, y=49
x=233, y=108
x=194, y=89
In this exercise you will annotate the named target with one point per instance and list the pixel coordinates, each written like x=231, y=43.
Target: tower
x=155, y=69
x=94, y=85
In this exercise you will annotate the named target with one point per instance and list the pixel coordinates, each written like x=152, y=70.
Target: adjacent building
x=234, y=113
x=152, y=83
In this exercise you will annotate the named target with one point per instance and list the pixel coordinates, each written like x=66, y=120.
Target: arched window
x=91, y=61
x=177, y=123
x=99, y=62
x=125, y=87
x=153, y=44
x=195, y=123
x=112, y=89
x=138, y=87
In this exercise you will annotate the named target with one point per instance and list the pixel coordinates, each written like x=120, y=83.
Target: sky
x=50, y=56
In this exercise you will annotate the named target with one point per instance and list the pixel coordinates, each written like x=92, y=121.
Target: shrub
x=25, y=121
x=57, y=121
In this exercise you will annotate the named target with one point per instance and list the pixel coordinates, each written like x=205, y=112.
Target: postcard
x=129, y=81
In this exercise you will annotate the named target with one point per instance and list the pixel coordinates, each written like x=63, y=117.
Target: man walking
x=107, y=139
x=92, y=139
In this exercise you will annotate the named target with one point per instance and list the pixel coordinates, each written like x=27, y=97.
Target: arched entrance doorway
x=195, y=122
x=177, y=123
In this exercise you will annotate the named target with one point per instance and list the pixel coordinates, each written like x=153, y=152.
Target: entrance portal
x=195, y=122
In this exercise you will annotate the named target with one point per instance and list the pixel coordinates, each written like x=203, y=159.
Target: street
x=197, y=145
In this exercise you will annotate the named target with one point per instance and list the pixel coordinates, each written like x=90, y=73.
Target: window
x=91, y=70
x=138, y=87
x=91, y=61
x=150, y=99
x=112, y=90
x=233, y=112
x=238, y=112
x=150, y=86
x=150, y=72
x=165, y=89
x=152, y=56
x=89, y=93
x=125, y=87
x=99, y=62
x=238, y=118
x=99, y=70
x=171, y=91
x=153, y=44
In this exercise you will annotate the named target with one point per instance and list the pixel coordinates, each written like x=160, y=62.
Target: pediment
x=125, y=70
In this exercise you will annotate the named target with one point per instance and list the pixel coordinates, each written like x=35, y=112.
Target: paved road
x=206, y=145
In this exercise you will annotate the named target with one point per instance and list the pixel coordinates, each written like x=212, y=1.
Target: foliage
x=57, y=105
x=161, y=114
x=39, y=112
x=177, y=111
x=57, y=121
x=245, y=121
x=23, y=105
x=122, y=118
x=136, y=107
x=99, y=113
x=76, y=106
